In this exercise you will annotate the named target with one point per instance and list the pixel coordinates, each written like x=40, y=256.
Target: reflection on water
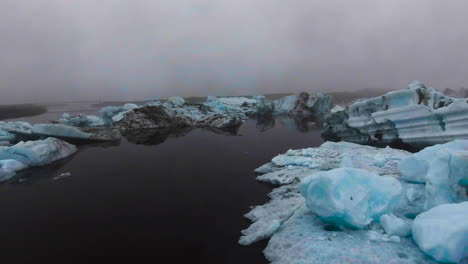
x=299, y=123
x=158, y=136
x=171, y=196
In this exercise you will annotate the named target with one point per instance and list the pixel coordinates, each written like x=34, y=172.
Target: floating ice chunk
x=442, y=232
x=417, y=116
x=350, y=197
x=39, y=152
x=10, y=131
x=63, y=175
x=176, y=101
x=337, y=108
x=81, y=120
x=9, y=167
x=53, y=130
x=110, y=114
x=415, y=168
x=395, y=226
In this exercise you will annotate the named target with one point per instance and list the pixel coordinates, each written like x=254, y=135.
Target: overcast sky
x=54, y=50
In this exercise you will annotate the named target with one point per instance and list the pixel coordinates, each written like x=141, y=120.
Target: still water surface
x=173, y=199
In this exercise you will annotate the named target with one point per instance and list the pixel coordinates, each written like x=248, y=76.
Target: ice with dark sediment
x=418, y=116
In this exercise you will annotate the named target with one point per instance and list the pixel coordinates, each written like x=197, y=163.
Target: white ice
x=442, y=232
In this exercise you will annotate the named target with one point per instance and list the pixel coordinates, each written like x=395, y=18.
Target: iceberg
x=52, y=130
x=111, y=114
x=176, y=101
x=8, y=167
x=39, y=152
x=297, y=228
x=418, y=116
x=168, y=116
x=32, y=153
x=290, y=168
x=443, y=168
x=350, y=197
x=80, y=120
x=415, y=168
x=302, y=104
x=442, y=232
x=444, y=178
x=76, y=133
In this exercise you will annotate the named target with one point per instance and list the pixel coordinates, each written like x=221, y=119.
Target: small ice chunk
x=63, y=175
x=53, y=130
x=442, y=232
x=395, y=226
x=176, y=101
x=376, y=236
x=350, y=197
x=39, y=152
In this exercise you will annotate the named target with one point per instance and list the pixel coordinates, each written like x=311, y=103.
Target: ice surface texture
x=442, y=232
x=350, y=197
x=418, y=116
x=374, y=228
x=443, y=168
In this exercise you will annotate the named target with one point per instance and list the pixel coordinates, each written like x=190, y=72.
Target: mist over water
x=53, y=50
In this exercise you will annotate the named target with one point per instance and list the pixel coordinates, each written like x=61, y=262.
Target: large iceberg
x=302, y=104
x=442, y=232
x=350, y=197
x=418, y=116
x=32, y=153
x=174, y=117
x=314, y=229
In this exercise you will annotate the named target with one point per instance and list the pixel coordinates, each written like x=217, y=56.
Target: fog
x=61, y=50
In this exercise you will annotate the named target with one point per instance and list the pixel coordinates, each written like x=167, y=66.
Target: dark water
x=180, y=199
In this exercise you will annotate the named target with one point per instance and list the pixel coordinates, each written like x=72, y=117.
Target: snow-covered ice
x=442, y=232
x=330, y=175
